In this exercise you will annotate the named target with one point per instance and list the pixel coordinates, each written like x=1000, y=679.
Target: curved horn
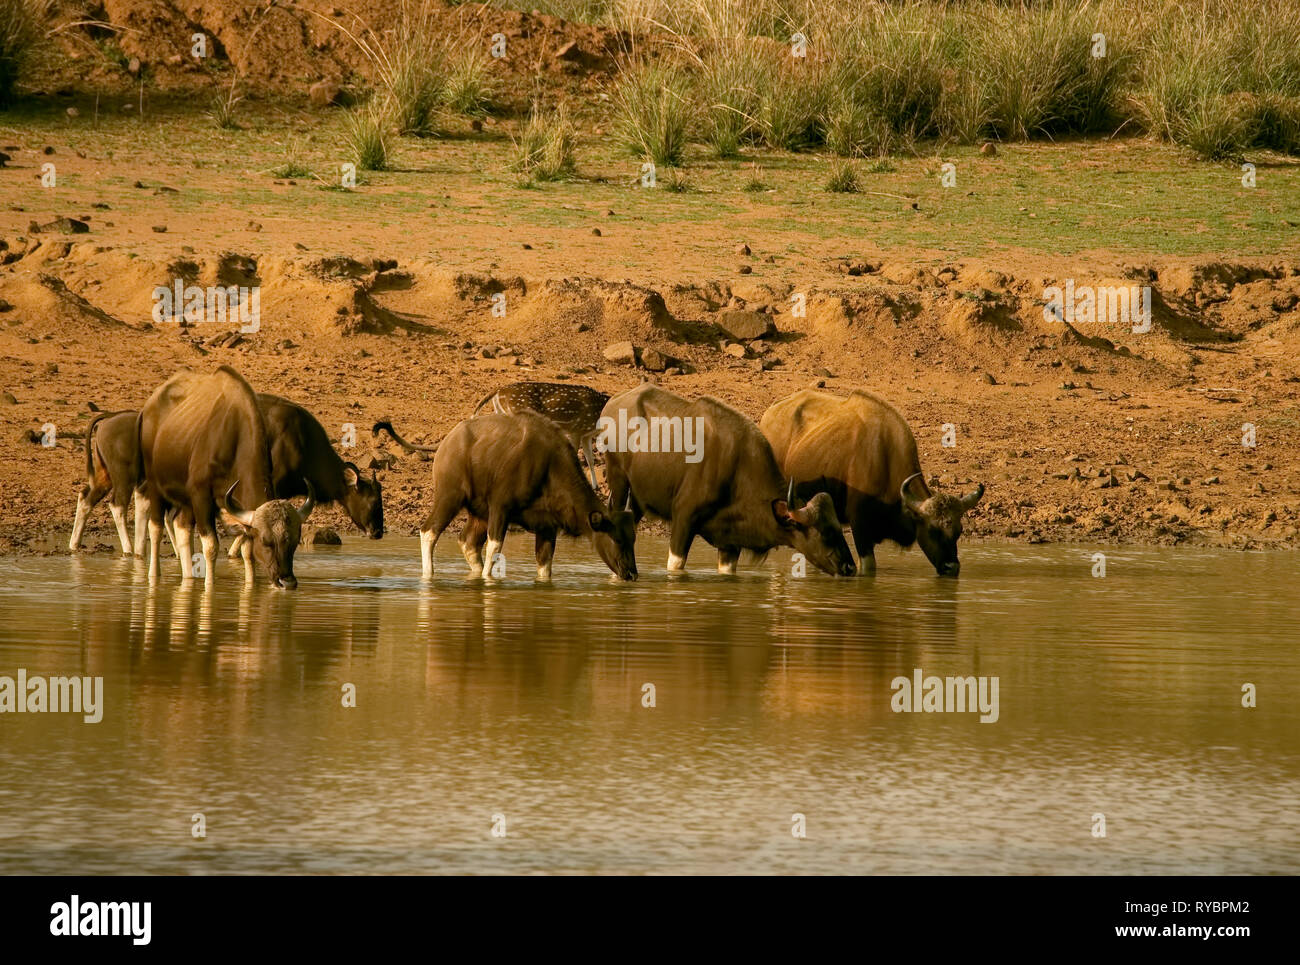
x=789, y=492
x=910, y=501
x=971, y=498
x=627, y=506
x=233, y=507
x=305, y=509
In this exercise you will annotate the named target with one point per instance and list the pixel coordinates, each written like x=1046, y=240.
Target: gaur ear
x=351, y=474
x=600, y=523
x=781, y=510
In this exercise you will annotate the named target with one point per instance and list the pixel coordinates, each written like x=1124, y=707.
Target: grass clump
x=791, y=102
x=365, y=133
x=677, y=182
x=423, y=72
x=727, y=95
x=652, y=110
x=843, y=178
x=544, y=149
x=467, y=88
x=23, y=29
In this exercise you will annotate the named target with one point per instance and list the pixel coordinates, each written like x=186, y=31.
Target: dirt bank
x=1082, y=432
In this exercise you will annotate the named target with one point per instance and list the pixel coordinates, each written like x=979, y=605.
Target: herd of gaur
x=816, y=463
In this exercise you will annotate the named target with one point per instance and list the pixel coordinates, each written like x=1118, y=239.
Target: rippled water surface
x=522, y=704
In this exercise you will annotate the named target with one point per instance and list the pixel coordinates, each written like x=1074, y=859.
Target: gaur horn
x=305, y=509
x=789, y=492
x=233, y=507
x=971, y=498
x=627, y=508
x=910, y=501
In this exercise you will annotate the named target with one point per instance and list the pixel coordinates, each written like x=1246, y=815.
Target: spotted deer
x=575, y=409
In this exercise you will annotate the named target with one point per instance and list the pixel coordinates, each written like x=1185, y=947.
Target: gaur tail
x=139, y=449
x=388, y=427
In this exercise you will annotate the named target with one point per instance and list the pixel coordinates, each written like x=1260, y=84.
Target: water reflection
x=771, y=695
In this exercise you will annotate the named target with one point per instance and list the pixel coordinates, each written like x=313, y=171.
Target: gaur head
x=613, y=535
x=815, y=531
x=273, y=532
x=937, y=518
x=363, y=500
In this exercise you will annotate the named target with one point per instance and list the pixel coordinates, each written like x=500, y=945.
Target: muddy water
x=522, y=705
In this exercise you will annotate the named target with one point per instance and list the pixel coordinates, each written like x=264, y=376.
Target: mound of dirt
x=283, y=49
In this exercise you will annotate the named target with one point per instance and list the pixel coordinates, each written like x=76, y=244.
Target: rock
x=825, y=373
x=746, y=269
x=620, y=353
x=570, y=52
x=596, y=232
x=8, y=398
x=745, y=325
x=989, y=149
x=742, y=249
x=324, y=536
x=988, y=379
x=657, y=361
x=325, y=93
x=380, y=460
x=47, y=149
x=160, y=229
x=735, y=349
x=134, y=66
x=672, y=370
x=73, y=112
x=64, y=226
x=51, y=368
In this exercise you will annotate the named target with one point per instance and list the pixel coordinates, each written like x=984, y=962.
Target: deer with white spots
x=575, y=409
